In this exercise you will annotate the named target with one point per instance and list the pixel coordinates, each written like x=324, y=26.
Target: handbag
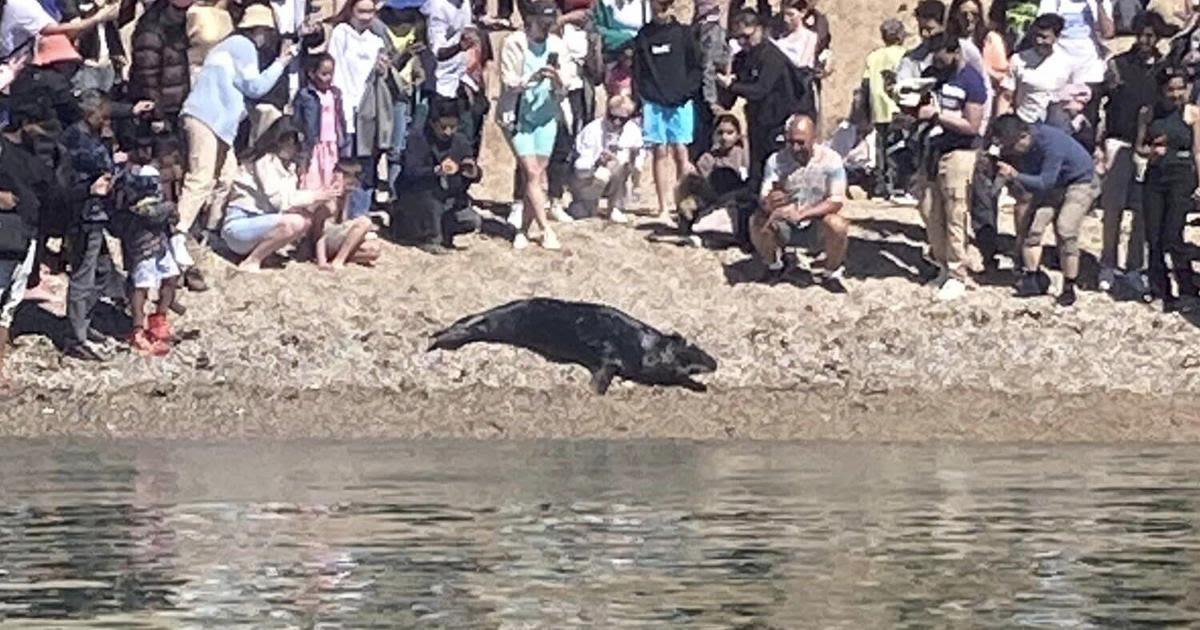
x=15, y=235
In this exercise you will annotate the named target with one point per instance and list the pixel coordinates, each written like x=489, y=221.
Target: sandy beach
x=298, y=352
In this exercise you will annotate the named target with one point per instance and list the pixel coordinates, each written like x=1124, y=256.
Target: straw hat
x=258, y=16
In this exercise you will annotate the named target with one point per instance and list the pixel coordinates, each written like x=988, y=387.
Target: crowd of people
x=261, y=128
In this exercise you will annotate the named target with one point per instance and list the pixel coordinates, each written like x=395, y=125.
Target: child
x=879, y=73
x=348, y=239
x=144, y=222
x=668, y=71
x=720, y=180
x=318, y=114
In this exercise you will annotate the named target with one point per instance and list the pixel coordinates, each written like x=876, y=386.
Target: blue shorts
x=532, y=139
x=663, y=124
x=243, y=231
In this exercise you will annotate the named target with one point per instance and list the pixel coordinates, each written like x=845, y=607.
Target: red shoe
x=143, y=343
x=158, y=329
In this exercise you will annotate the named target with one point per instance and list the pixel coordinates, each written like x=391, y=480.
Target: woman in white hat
x=211, y=115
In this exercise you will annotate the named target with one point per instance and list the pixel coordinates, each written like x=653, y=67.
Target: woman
x=1169, y=137
x=359, y=55
x=267, y=208
x=996, y=42
x=534, y=81
x=797, y=41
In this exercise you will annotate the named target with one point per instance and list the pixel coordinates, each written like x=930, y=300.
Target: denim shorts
x=663, y=124
x=243, y=231
x=150, y=273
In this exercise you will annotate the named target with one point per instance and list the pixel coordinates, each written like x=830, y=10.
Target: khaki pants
x=1065, y=209
x=945, y=208
x=211, y=170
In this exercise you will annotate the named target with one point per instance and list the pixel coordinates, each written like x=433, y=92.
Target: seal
x=602, y=339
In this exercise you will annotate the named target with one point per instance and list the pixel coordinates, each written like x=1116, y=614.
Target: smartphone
x=552, y=60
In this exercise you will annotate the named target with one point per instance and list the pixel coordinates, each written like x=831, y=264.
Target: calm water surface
x=466, y=534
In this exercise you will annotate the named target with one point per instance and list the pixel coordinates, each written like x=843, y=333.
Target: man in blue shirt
x=1059, y=177
x=954, y=119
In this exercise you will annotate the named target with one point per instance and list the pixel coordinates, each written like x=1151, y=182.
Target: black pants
x=763, y=142
x=883, y=162
x=421, y=217
x=92, y=273
x=702, y=138
x=1167, y=201
x=985, y=196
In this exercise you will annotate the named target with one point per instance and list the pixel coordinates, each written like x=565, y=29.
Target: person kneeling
x=605, y=149
x=803, y=183
x=267, y=208
x=1060, y=175
x=434, y=206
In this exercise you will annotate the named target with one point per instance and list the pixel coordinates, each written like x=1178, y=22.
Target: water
x=596, y=534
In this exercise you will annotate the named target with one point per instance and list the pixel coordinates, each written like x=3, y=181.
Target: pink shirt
x=329, y=114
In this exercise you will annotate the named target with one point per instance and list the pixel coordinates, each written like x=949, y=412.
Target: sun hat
x=257, y=16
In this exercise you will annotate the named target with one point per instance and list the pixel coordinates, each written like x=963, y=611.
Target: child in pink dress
x=318, y=113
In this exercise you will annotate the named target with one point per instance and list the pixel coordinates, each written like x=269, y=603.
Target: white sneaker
x=940, y=279
x=559, y=213
x=617, y=216
x=520, y=242
x=516, y=214
x=550, y=241
x=904, y=199
x=1108, y=278
x=952, y=290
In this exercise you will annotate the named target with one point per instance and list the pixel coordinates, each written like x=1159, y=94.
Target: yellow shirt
x=400, y=42
x=883, y=108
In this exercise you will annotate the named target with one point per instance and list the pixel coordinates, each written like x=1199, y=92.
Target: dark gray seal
x=602, y=339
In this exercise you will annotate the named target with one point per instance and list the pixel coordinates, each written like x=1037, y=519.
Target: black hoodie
x=763, y=76
x=667, y=65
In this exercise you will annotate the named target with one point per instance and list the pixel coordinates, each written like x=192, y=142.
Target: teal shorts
x=533, y=139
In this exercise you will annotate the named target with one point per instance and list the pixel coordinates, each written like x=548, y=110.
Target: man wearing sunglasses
x=804, y=185
x=605, y=148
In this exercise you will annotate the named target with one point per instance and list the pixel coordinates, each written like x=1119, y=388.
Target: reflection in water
x=597, y=534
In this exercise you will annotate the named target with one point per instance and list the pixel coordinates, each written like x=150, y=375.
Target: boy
x=877, y=77
x=144, y=222
x=91, y=266
x=668, y=69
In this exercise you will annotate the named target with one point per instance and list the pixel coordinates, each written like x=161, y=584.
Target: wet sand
x=297, y=352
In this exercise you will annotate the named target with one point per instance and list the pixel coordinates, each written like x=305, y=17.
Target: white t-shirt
x=22, y=21
x=445, y=24
x=354, y=55
x=599, y=136
x=1036, y=82
x=1080, y=35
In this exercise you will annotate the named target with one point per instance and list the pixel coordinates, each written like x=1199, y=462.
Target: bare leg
x=764, y=239
x=359, y=228
x=835, y=232
x=5, y=382
x=367, y=254
x=137, y=307
x=664, y=184
x=166, y=295
x=535, y=194
x=291, y=227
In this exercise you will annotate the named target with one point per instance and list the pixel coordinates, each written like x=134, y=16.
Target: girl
x=720, y=180
x=348, y=239
x=318, y=113
x=536, y=87
x=267, y=208
x=1169, y=137
x=358, y=52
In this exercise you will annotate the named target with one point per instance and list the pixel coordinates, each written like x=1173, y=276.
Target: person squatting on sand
x=401, y=90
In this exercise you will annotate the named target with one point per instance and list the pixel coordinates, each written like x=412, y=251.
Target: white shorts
x=150, y=273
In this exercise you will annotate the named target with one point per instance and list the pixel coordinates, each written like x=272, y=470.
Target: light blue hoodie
x=228, y=77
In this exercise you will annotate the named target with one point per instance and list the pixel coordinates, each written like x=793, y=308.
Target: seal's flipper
x=694, y=386
x=602, y=377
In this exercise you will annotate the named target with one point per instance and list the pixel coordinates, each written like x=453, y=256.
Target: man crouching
x=803, y=183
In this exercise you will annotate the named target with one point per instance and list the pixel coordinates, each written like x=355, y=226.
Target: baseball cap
x=543, y=9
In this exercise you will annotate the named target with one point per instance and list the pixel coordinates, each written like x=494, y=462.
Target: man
x=762, y=75
x=667, y=71
x=955, y=116
x=931, y=22
x=1060, y=175
x=214, y=108
x=803, y=183
x=19, y=208
x=605, y=149
x=439, y=168
x=1129, y=85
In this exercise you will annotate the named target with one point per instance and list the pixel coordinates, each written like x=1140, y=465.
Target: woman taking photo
x=534, y=80
x=1169, y=138
x=267, y=208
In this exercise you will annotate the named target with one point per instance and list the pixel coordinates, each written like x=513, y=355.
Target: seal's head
x=673, y=358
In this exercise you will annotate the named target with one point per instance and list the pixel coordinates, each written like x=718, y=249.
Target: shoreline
x=215, y=412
